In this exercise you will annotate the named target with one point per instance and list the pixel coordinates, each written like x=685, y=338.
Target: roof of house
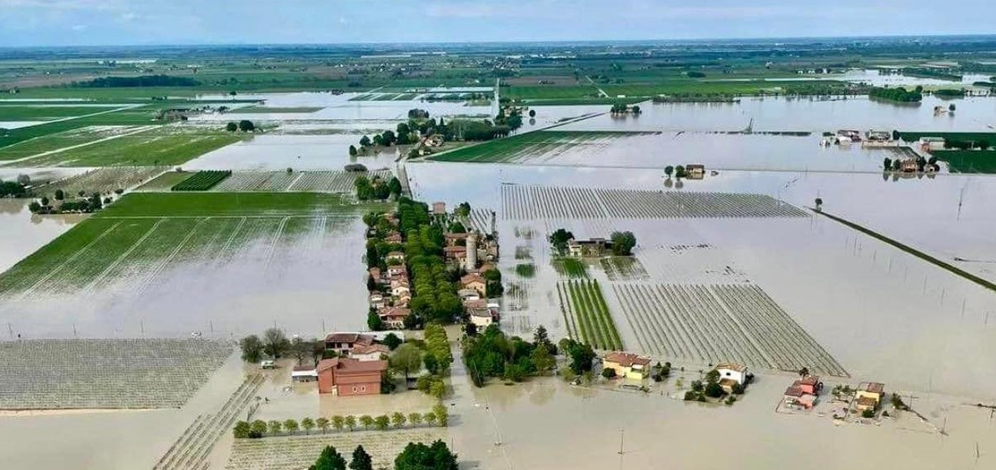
x=468, y=293
x=875, y=387
x=732, y=366
x=371, y=348
x=475, y=303
x=471, y=278
x=626, y=359
x=349, y=338
x=456, y=249
x=867, y=402
x=810, y=380
x=351, y=366
x=395, y=254
x=794, y=391
x=395, y=312
x=455, y=236
x=481, y=312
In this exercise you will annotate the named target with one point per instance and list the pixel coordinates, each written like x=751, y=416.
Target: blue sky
x=142, y=22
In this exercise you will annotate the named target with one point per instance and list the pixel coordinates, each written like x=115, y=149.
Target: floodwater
x=809, y=114
x=715, y=151
x=18, y=124
x=871, y=77
x=24, y=233
x=884, y=314
x=338, y=107
x=307, y=284
x=300, y=152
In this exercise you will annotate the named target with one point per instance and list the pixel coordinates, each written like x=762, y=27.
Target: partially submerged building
x=869, y=396
x=628, y=365
x=346, y=377
x=593, y=247
x=731, y=375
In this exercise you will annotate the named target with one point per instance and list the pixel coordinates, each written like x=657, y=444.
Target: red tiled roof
x=810, y=380
x=625, y=359
x=472, y=278
x=395, y=312
x=454, y=249
x=351, y=366
x=367, y=349
x=349, y=338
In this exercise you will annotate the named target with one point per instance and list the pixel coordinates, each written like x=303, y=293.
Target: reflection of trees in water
x=12, y=206
x=542, y=391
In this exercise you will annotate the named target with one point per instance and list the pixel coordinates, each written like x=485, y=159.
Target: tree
x=323, y=424
x=361, y=460
x=257, y=429
x=330, y=459
x=398, y=419
x=679, y=171
x=242, y=430
x=246, y=126
x=392, y=341
x=532, y=113
x=714, y=390
x=300, y=349
x=559, y=239
x=442, y=416
x=351, y=422
x=374, y=322
x=542, y=360
x=275, y=343
x=44, y=201
x=609, y=373
x=415, y=418
x=275, y=427
x=231, y=127
x=382, y=422
x=365, y=141
x=803, y=372
x=252, y=349
x=406, y=359
x=418, y=456
x=307, y=424
x=352, y=150
x=951, y=107
x=338, y=422
x=430, y=418
x=887, y=163
x=395, y=187
x=367, y=421
x=712, y=376
x=290, y=425
x=623, y=243
x=59, y=195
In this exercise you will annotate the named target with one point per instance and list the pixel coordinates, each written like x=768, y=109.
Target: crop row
x=91, y=374
x=736, y=323
x=303, y=181
x=592, y=314
x=102, y=180
x=202, y=180
x=543, y=202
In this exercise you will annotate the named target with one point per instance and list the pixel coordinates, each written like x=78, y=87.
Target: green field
x=570, y=267
x=56, y=141
x=592, y=315
x=133, y=239
x=165, y=181
x=959, y=136
x=19, y=112
x=968, y=161
x=529, y=144
x=231, y=205
x=159, y=146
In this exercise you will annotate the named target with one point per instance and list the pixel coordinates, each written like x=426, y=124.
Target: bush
x=714, y=390
x=869, y=413
x=609, y=373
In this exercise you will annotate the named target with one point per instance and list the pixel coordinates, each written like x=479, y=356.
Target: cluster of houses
x=393, y=293
x=870, y=138
x=636, y=367
x=357, y=365
x=803, y=393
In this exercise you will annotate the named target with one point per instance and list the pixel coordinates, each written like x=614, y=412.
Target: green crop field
x=968, y=161
x=202, y=180
x=134, y=238
x=529, y=144
x=911, y=136
x=46, y=112
x=59, y=140
x=159, y=146
x=591, y=315
x=165, y=181
x=231, y=205
x=571, y=267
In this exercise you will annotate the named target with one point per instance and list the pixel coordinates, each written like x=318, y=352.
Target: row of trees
x=275, y=344
x=243, y=125
x=84, y=204
x=434, y=296
x=258, y=429
x=622, y=108
x=678, y=171
x=12, y=189
x=416, y=456
x=898, y=94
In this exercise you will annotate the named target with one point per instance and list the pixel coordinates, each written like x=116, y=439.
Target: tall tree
x=361, y=460
x=252, y=348
x=406, y=359
x=275, y=342
x=330, y=459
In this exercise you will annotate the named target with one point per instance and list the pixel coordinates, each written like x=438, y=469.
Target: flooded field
x=24, y=232
x=235, y=270
x=299, y=152
x=800, y=114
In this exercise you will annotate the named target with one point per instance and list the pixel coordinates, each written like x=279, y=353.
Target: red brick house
x=347, y=377
x=344, y=342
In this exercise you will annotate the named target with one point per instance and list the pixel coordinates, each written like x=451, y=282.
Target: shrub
x=869, y=413
x=609, y=373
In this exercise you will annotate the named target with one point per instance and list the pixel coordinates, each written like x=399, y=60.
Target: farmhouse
x=373, y=352
x=588, y=248
x=346, y=377
x=345, y=342
x=394, y=317
x=482, y=317
x=627, y=365
x=803, y=393
x=732, y=374
x=694, y=171
x=869, y=395
x=474, y=281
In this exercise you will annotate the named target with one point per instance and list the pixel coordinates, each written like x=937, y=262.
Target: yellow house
x=869, y=396
x=627, y=365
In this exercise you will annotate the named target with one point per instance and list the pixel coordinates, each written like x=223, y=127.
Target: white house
x=481, y=317
x=730, y=374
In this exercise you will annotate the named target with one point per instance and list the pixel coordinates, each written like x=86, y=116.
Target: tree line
x=415, y=456
x=258, y=429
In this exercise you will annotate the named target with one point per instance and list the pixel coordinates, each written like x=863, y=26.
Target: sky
x=182, y=22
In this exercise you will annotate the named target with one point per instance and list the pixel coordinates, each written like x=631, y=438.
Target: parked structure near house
x=869, y=396
x=593, y=247
x=347, y=377
x=627, y=365
x=345, y=342
x=304, y=374
x=373, y=352
x=731, y=374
